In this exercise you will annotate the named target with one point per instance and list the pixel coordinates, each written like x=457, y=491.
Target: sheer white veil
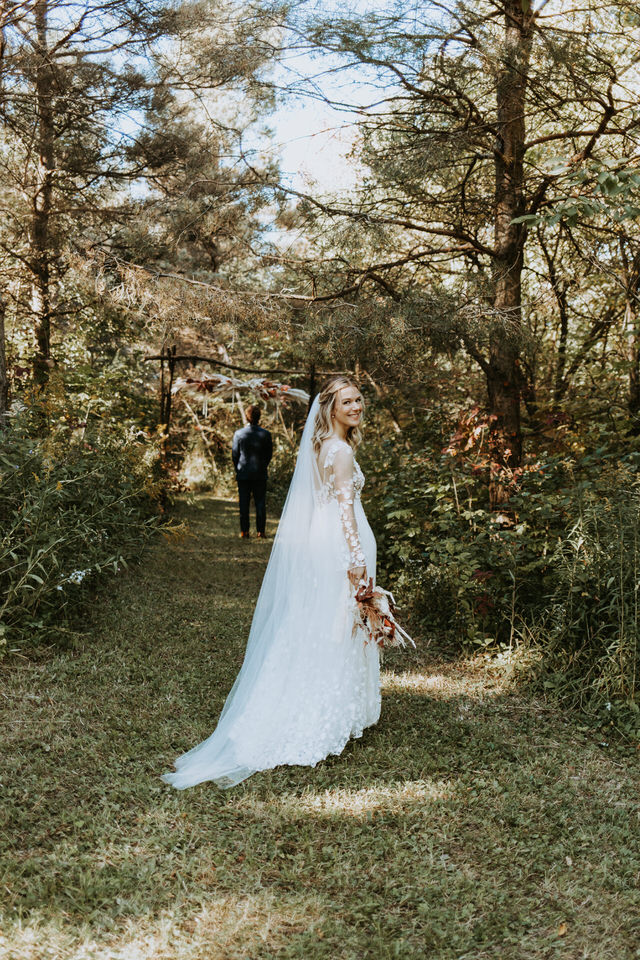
x=283, y=585
x=282, y=610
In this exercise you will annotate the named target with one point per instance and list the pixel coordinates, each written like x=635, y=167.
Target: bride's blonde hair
x=323, y=427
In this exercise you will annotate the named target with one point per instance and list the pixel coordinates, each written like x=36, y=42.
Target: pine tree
x=111, y=145
x=477, y=100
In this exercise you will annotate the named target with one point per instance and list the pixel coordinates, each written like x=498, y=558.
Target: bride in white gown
x=307, y=684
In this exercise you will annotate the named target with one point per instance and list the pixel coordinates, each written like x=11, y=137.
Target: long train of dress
x=317, y=685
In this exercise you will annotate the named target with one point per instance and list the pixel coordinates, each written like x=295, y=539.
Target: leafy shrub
x=72, y=509
x=459, y=567
x=280, y=473
x=556, y=576
x=585, y=638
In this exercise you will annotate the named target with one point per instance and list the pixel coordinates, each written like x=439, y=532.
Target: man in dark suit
x=252, y=450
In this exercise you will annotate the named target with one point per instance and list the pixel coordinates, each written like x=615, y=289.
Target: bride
x=307, y=683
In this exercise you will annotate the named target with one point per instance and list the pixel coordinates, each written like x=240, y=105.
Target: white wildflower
x=78, y=576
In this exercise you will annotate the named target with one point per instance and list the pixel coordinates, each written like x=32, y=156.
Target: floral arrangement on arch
x=221, y=385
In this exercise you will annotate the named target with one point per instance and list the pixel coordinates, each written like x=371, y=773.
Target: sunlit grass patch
x=478, y=677
x=233, y=927
x=354, y=803
x=140, y=940
x=224, y=928
x=414, y=682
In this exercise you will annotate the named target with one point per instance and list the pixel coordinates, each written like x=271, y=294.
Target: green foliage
x=586, y=637
x=596, y=188
x=280, y=472
x=448, y=556
x=72, y=510
x=554, y=578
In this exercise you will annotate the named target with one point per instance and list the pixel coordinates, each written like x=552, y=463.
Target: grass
x=470, y=823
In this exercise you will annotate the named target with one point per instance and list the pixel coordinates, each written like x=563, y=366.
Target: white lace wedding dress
x=307, y=684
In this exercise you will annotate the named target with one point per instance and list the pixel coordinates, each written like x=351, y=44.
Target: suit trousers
x=256, y=486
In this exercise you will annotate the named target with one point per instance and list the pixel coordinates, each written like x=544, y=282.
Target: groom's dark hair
x=253, y=414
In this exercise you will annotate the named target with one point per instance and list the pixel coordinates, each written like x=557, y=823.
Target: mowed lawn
x=471, y=823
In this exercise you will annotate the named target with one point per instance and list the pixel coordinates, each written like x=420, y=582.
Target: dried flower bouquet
x=375, y=614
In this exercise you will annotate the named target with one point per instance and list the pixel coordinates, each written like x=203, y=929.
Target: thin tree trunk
x=560, y=382
x=632, y=331
x=312, y=386
x=383, y=394
x=172, y=370
x=559, y=287
x=162, y=390
x=504, y=379
x=41, y=240
x=4, y=382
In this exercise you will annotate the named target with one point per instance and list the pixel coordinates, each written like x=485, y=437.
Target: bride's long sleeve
x=343, y=486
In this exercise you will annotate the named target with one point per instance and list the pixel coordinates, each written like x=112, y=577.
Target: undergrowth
x=75, y=505
x=552, y=577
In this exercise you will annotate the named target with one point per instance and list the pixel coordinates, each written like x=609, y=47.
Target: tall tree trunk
x=632, y=331
x=504, y=380
x=559, y=287
x=41, y=240
x=631, y=266
x=4, y=381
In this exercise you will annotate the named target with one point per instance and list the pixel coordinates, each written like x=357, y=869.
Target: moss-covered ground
x=471, y=823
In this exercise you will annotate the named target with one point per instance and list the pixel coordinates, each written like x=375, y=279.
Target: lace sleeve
x=343, y=486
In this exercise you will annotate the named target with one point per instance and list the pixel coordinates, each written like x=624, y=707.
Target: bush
x=72, y=510
x=457, y=566
x=554, y=578
x=584, y=640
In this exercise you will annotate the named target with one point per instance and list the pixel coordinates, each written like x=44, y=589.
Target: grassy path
x=471, y=823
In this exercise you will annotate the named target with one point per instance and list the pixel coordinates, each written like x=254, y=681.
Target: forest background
x=479, y=272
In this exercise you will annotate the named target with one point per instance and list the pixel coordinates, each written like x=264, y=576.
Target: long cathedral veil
x=283, y=607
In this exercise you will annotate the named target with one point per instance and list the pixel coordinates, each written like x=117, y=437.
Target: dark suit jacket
x=252, y=450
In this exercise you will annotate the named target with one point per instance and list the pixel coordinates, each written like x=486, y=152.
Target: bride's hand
x=356, y=574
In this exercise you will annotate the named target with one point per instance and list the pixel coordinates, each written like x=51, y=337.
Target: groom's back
x=252, y=449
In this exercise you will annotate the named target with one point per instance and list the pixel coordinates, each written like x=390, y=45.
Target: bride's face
x=347, y=407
